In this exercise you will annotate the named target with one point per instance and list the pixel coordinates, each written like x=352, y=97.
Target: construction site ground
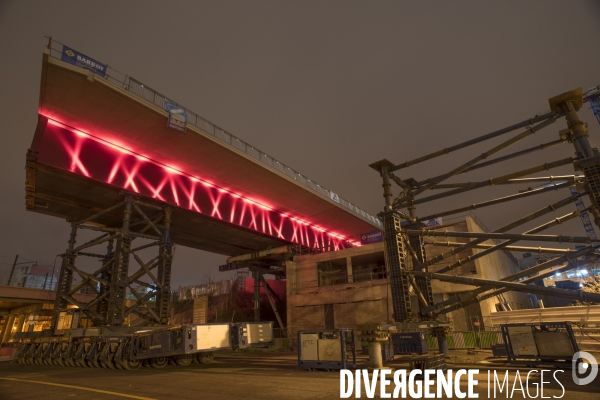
x=241, y=374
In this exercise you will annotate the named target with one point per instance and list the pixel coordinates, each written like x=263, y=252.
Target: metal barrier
x=467, y=340
x=585, y=320
x=151, y=96
x=586, y=316
x=8, y=353
x=587, y=339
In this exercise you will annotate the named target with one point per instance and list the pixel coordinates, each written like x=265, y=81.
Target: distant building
x=33, y=275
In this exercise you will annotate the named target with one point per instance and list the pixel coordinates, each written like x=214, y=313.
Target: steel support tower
x=111, y=281
x=402, y=243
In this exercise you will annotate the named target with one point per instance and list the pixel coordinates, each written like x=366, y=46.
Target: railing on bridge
x=151, y=96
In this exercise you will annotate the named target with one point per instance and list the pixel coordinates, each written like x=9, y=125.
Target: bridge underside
x=67, y=195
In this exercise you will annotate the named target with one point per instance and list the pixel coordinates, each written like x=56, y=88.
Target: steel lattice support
x=118, y=282
x=256, y=275
x=65, y=278
x=395, y=257
x=112, y=280
x=569, y=103
x=165, y=260
x=102, y=307
x=424, y=283
x=417, y=247
x=412, y=193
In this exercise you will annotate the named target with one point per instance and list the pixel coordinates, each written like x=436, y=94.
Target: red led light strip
x=79, y=152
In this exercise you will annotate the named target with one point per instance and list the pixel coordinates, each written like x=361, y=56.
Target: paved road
x=254, y=377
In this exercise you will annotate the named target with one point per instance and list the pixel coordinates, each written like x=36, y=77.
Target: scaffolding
x=402, y=242
x=110, y=282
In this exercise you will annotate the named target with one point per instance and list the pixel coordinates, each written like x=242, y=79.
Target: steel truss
x=110, y=282
x=401, y=242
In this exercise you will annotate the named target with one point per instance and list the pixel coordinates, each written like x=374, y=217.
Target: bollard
x=443, y=345
x=375, y=358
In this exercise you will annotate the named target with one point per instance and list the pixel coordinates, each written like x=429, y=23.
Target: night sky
x=327, y=87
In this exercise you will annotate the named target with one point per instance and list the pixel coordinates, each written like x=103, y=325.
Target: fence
x=585, y=316
x=585, y=321
x=467, y=340
x=151, y=96
x=587, y=339
x=212, y=289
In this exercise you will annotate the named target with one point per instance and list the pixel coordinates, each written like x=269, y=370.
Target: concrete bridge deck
x=91, y=128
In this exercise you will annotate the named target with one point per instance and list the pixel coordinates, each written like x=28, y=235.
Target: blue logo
x=177, y=117
x=371, y=237
x=81, y=60
x=335, y=197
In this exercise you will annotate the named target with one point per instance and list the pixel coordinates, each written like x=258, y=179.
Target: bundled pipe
x=496, y=236
x=519, y=287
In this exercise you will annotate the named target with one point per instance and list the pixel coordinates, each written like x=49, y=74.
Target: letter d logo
x=580, y=368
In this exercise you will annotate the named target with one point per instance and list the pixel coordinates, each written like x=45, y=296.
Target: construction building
x=34, y=275
x=350, y=287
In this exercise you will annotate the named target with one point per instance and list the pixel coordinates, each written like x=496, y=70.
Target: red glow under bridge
x=94, y=139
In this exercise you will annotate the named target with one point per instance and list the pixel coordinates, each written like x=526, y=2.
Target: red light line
x=174, y=191
x=232, y=214
x=114, y=170
x=253, y=219
x=216, y=202
x=131, y=175
x=130, y=178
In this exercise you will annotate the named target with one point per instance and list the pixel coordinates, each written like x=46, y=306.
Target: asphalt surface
x=247, y=376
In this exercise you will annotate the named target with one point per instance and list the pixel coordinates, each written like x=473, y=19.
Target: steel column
x=395, y=257
x=569, y=103
x=273, y=305
x=65, y=278
x=165, y=261
x=120, y=270
x=256, y=298
x=102, y=307
x=418, y=245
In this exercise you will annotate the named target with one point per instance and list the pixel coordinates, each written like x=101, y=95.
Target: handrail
x=151, y=96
